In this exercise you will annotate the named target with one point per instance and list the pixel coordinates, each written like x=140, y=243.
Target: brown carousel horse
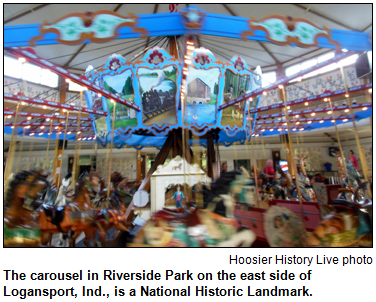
x=77, y=216
x=20, y=225
x=348, y=223
x=117, y=207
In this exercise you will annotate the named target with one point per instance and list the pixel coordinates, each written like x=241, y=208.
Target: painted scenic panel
x=235, y=86
x=202, y=96
x=121, y=85
x=158, y=94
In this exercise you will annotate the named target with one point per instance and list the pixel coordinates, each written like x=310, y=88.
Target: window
x=309, y=63
x=348, y=61
x=75, y=87
x=29, y=72
x=12, y=68
x=49, y=78
x=268, y=78
x=325, y=57
x=293, y=69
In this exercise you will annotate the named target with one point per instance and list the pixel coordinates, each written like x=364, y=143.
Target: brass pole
x=112, y=141
x=48, y=148
x=19, y=151
x=283, y=95
x=364, y=165
x=62, y=153
x=76, y=156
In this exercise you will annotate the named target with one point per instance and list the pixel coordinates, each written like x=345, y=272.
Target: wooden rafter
x=263, y=46
x=154, y=12
x=323, y=16
x=29, y=11
x=66, y=65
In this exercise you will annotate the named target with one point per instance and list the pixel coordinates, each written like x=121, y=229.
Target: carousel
x=174, y=99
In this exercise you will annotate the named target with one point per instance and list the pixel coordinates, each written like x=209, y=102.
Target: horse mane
x=20, y=178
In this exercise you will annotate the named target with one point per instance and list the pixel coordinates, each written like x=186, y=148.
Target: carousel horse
x=305, y=185
x=117, y=207
x=213, y=226
x=266, y=189
x=349, y=223
x=25, y=193
x=64, y=196
x=353, y=179
x=77, y=216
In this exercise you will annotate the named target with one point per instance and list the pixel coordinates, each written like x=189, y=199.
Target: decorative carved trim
x=100, y=26
x=283, y=30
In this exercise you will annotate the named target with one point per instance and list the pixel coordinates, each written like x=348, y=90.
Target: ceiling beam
x=66, y=65
x=29, y=11
x=308, y=9
x=364, y=29
x=154, y=12
x=331, y=137
x=263, y=46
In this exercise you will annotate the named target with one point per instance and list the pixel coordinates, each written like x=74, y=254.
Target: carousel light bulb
x=257, y=135
x=56, y=128
x=99, y=95
x=280, y=86
x=47, y=120
x=310, y=122
x=29, y=118
x=188, y=61
x=262, y=130
x=88, y=138
x=279, y=129
x=9, y=116
x=189, y=47
x=332, y=121
x=190, y=43
x=78, y=132
x=285, y=124
x=95, y=136
x=85, y=88
x=306, y=103
x=12, y=127
x=293, y=129
x=185, y=72
x=264, y=93
x=69, y=132
x=325, y=100
x=59, y=132
x=27, y=127
x=364, y=108
x=288, y=107
x=23, y=103
x=344, y=50
x=370, y=90
x=42, y=127
x=301, y=129
x=296, y=116
x=346, y=95
x=44, y=107
x=347, y=110
x=271, y=129
x=64, y=110
x=321, y=121
x=345, y=120
x=112, y=100
x=250, y=99
x=313, y=114
x=297, y=123
x=67, y=80
x=22, y=60
x=79, y=138
x=329, y=112
x=84, y=139
x=41, y=133
x=31, y=134
x=253, y=134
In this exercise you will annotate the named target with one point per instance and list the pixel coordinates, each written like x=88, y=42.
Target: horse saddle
x=56, y=214
x=170, y=214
